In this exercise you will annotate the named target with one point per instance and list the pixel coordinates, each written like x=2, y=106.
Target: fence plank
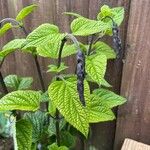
x=133, y=118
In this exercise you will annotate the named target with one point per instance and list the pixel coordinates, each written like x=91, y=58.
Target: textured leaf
x=105, y=83
x=18, y=83
x=83, y=26
x=72, y=14
x=53, y=68
x=20, y=100
x=52, y=50
x=23, y=134
x=98, y=112
x=102, y=48
x=108, y=98
x=96, y=67
x=54, y=146
x=5, y=28
x=37, y=119
x=11, y=47
x=25, y=11
x=45, y=33
x=64, y=96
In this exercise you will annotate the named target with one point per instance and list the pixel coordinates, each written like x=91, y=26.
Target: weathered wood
x=134, y=145
x=133, y=118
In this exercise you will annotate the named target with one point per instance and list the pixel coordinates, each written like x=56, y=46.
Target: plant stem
x=90, y=45
x=5, y=90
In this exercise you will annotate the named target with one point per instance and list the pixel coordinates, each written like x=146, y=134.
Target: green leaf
x=72, y=14
x=108, y=98
x=18, y=83
x=102, y=48
x=96, y=67
x=11, y=47
x=20, y=100
x=23, y=134
x=54, y=68
x=45, y=33
x=52, y=50
x=67, y=139
x=65, y=97
x=98, y=112
x=84, y=27
x=37, y=119
x=25, y=11
x=5, y=28
x=105, y=83
x=54, y=146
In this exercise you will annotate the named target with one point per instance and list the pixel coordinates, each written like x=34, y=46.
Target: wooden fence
x=131, y=78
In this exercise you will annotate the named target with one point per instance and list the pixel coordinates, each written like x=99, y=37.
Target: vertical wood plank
x=133, y=118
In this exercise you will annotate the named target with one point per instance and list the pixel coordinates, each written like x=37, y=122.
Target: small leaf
x=23, y=134
x=108, y=98
x=11, y=47
x=64, y=96
x=5, y=28
x=96, y=67
x=25, y=11
x=25, y=83
x=37, y=119
x=83, y=26
x=20, y=100
x=105, y=83
x=72, y=14
x=98, y=112
x=54, y=68
x=102, y=48
x=54, y=146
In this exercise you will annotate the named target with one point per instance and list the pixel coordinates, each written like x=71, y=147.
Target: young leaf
x=83, y=26
x=105, y=83
x=102, y=48
x=108, y=98
x=53, y=68
x=45, y=33
x=96, y=67
x=23, y=135
x=25, y=11
x=18, y=83
x=5, y=28
x=20, y=100
x=64, y=96
x=37, y=119
x=11, y=47
x=72, y=14
x=54, y=146
x=98, y=112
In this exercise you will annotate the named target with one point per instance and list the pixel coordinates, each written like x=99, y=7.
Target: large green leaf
x=38, y=121
x=96, y=67
x=54, y=146
x=20, y=100
x=102, y=48
x=108, y=98
x=52, y=50
x=23, y=135
x=98, y=112
x=18, y=83
x=65, y=97
x=83, y=26
x=25, y=11
x=45, y=33
x=11, y=47
x=5, y=28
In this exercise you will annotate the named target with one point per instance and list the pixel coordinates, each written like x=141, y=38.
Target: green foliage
x=18, y=83
x=102, y=48
x=5, y=28
x=38, y=120
x=25, y=11
x=54, y=146
x=96, y=67
x=64, y=96
x=11, y=47
x=72, y=14
x=20, y=100
x=23, y=135
x=83, y=26
x=54, y=68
